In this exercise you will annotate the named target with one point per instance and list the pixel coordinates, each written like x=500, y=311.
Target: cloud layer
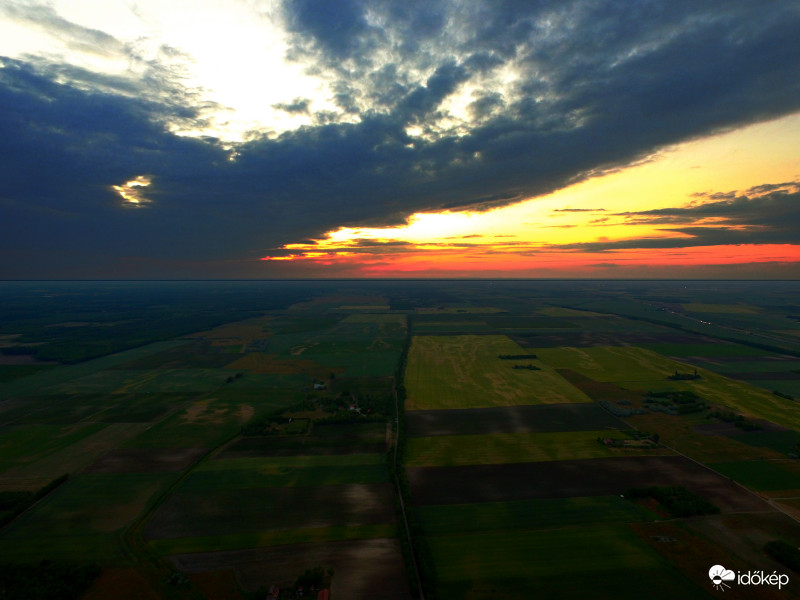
x=459, y=105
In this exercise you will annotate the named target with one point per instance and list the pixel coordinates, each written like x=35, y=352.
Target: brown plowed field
x=132, y=460
x=225, y=512
x=541, y=418
x=363, y=569
x=571, y=478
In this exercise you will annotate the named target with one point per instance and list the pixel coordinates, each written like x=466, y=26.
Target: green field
x=200, y=424
x=278, y=537
x=84, y=517
x=569, y=563
x=465, y=372
x=640, y=369
x=284, y=476
x=26, y=444
x=548, y=513
x=453, y=450
x=761, y=475
x=42, y=380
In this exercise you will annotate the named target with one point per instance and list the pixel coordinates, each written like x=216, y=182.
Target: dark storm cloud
x=296, y=106
x=556, y=91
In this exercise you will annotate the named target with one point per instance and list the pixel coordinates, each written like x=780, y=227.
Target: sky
x=205, y=139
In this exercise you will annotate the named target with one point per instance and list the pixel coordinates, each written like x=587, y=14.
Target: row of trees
x=676, y=499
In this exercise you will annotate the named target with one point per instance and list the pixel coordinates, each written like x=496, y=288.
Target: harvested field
x=134, y=460
x=448, y=372
x=567, y=478
x=259, y=362
x=218, y=512
x=511, y=419
x=637, y=368
x=600, y=390
x=122, y=584
x=363, y=568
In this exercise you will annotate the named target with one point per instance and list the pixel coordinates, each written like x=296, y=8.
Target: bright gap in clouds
x=232, y=54
x=593, y=210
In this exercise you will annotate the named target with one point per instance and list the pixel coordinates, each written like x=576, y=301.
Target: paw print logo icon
x=719, y=575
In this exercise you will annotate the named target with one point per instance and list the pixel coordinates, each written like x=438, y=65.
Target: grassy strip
x=299, y=461
x=261, y=539
x=499, y=448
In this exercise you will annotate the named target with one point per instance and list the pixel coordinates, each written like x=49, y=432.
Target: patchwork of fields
x=515, y=487
x=235, y=455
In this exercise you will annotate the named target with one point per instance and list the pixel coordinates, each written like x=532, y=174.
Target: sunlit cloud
x=132, y=191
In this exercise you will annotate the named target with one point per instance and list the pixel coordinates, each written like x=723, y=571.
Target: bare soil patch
x=601, y=390
x=571, y=478
x=541, y=418
x=134, y=460
x=363, y=568
x=122, y=584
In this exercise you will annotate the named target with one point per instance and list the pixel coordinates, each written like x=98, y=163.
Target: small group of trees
x=738, y=420
x=529, y=366
x=676, y=499
x=684, y=376
x=45, y=580
x=516, y=356
x=233, y=378
x=675, y=403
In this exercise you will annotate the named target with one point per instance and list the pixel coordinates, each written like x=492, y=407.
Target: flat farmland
x=569, y=563
x=568, y=478
x=228, y=511
x=637, y=368
x=146, y=461
x=448, y=372
x=762, y=475
x=266, y=474
x=75, y=457
x=540, y=513
x=341, y=438
x=85, y=516
x=511, y=419
x=26, y=444
x=43, y=381
x=363, y=568
x=501, y=448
